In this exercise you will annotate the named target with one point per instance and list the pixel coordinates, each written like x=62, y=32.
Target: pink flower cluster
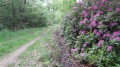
x=117, y=10
x=115, y=36
x=90, y=8
x=84, y=21
x=113, y=24
x=106, y=35
x=100, y=43
x=97, y=33
x=100, y=29
x=82, y=54
x=110, y=9
x=84, y=13
x=74, y=50
x=93, y=23
x=109, y=48
x=103, y=1
x=95, y=7
x=99, y=24
x=82, y=32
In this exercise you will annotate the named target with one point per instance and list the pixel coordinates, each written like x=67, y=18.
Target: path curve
x=12, y=57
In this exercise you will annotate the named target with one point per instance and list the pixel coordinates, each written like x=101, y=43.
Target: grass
x=37, y=53
x=10, y=41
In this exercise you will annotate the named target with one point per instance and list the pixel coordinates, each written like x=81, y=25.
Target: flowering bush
x=95, y=30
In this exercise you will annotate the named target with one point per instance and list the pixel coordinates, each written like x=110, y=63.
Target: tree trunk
x=13, y=16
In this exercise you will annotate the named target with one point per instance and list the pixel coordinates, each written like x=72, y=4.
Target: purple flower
x=84, y=45
x=84, y=21
x=89, y=8
x=116, y=33
x=112, y=37
x=98, y=33
x=95, y=7
x=113, y=24
x=106, y=35
x=118, y=3
x=74, y=8
x=79, y=3
x=117, y=10
x=109, y=9
x=84, y=13
x=82, y=54
x=100, y=12
x=82, y=32
x=82, y=49
x=101, y=4
x=99, y=24
x=93, y=23
x=109, y=48
x=94, y=31
x=117, y=39
x=100, y=43
x=74, y=50
x=110, y=2
x=103, y=1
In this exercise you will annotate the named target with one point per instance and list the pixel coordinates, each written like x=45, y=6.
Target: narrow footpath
x=12, y=57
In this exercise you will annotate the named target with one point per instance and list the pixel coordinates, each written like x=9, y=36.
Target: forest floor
x=30, y=54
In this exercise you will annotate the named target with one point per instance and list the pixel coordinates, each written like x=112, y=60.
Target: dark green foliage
x=17, y=14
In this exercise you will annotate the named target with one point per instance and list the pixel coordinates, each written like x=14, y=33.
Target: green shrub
x=94, y=29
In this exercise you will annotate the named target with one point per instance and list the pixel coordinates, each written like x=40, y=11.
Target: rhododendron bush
x=93, y=32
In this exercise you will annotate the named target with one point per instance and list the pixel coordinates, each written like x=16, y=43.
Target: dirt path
x=12, y=57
